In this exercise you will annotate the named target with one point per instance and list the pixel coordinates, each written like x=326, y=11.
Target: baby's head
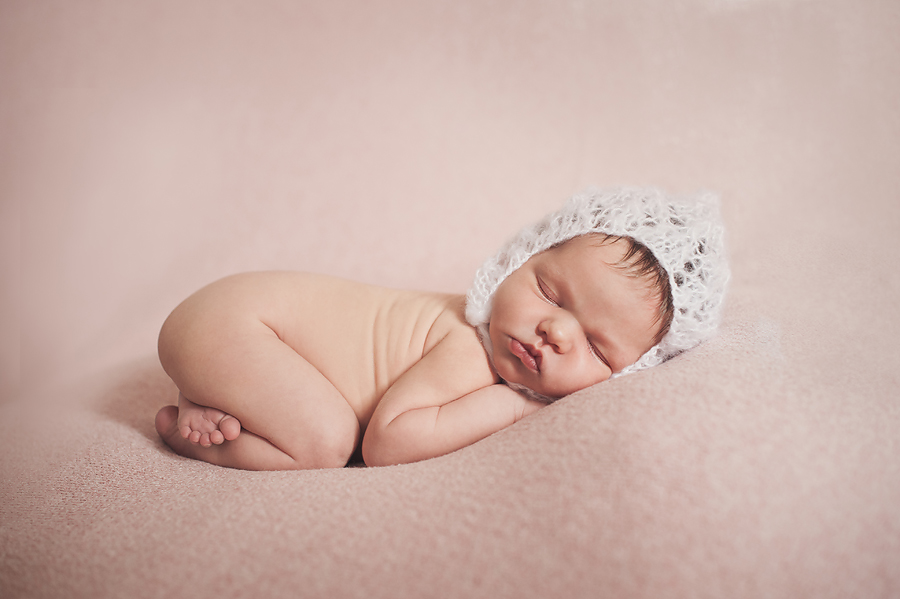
x=617, y=281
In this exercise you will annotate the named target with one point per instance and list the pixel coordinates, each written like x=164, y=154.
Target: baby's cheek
x=595, y=373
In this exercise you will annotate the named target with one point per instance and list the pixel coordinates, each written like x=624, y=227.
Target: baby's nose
x=556, y=332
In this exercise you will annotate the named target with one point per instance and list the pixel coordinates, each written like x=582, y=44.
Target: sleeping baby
x=283, y=370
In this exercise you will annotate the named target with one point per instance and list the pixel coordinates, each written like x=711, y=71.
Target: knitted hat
x=684, y=233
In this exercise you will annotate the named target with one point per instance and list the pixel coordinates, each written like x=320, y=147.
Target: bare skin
x=282, y=370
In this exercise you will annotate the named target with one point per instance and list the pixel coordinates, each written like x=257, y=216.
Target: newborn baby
x=283, y=370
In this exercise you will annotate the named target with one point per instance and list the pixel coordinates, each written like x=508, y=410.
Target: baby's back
x=360, y=337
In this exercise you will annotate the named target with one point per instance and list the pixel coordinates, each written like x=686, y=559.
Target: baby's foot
x=167, y=427
x=205, y=426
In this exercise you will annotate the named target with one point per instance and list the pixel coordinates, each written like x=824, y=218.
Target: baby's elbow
x=373, y=453
x=381, y=448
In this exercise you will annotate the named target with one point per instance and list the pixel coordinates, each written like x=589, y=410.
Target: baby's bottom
x=249, y=401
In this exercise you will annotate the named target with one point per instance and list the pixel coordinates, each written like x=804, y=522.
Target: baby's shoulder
x=461, y=347
x=450, y=322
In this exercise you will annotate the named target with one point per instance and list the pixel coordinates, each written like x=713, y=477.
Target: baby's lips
x=527, y=354
x=536, y=354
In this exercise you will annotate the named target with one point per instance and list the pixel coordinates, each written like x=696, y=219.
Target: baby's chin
x=529, y=389
x=548, y=392
x=508, y=370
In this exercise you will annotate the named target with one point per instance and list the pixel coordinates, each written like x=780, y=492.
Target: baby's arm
x=448, y=400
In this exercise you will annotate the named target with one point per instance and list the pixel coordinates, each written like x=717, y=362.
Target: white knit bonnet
x=684, y=233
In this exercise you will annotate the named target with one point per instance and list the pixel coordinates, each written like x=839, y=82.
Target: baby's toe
x=194, y=437
x=216, y=437
x=230, y=427
x=204, y=440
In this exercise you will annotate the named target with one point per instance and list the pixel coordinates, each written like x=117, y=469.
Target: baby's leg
x=248, y=452
x=292, y=416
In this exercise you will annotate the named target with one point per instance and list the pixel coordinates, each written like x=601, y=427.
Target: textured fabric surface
x=148, y=148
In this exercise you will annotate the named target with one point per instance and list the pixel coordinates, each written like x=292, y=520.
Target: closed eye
x=598, y=355
x=545, y=292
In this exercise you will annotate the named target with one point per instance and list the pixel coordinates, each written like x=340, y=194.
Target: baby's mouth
x=527, y=354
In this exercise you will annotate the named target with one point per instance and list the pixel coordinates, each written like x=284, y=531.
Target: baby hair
x=640, y=263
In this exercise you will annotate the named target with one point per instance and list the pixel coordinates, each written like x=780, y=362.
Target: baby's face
x=568, y=319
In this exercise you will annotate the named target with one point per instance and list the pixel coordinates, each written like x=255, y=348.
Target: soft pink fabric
x=147, y=148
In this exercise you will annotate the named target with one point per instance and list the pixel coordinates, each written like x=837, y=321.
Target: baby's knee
x=334, y=445
x=202, y=344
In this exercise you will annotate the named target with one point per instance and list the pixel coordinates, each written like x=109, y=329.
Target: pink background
x=150, y=147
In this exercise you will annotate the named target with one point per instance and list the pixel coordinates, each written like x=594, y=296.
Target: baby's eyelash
x=545, y=294
x=597, y=354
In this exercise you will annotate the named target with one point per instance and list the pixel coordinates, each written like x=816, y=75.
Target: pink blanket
x=148, y=148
